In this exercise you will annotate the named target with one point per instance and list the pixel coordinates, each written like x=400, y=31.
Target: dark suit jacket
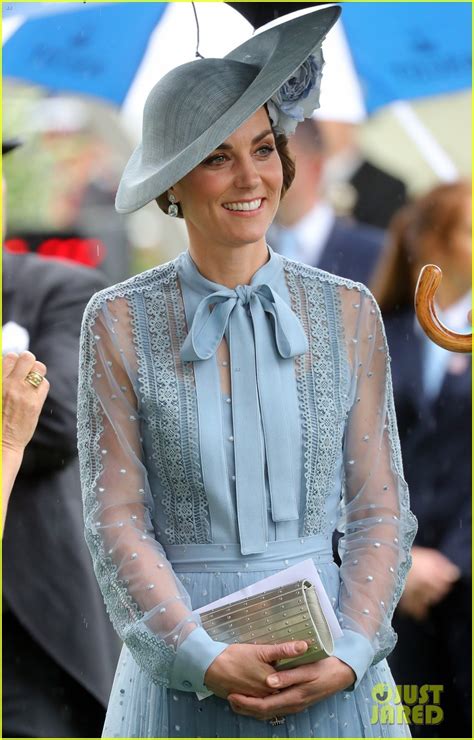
x=48, y=580
x=379, y=195
x=436, y=448
x=436, y=445
x=351, y=250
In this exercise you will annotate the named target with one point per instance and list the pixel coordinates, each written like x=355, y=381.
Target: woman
x=433, y=403
x=226, y=400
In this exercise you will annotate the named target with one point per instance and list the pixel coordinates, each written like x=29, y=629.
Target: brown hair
x=287, y=163
x=413, y=230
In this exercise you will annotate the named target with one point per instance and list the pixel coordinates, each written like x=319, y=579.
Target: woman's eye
x=215, y=159
x=265, y=150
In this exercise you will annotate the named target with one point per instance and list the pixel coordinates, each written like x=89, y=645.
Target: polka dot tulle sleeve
x=375, y=518
x=148, y=605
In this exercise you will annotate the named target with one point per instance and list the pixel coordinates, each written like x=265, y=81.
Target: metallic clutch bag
x=286, y=613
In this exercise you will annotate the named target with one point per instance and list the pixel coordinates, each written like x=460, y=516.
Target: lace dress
x=223, y=436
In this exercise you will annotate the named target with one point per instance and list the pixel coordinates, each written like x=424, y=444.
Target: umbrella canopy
x=403, y=52
x=93, y=49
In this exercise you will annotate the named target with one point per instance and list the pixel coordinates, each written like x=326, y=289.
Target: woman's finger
x=23, y=365
x=271, y=653
x=38, y=367
x=8, y=364
x=286, y=702
x=301, y=674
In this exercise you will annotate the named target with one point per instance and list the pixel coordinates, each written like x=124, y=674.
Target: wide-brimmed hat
x=196, y=106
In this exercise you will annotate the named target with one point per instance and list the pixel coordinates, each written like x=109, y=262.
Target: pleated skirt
x=140, y=708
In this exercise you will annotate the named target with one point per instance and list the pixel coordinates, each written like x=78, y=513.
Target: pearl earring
x=173, y=207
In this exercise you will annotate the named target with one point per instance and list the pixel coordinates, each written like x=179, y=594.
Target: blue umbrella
x=92, y=49
x=405, y=51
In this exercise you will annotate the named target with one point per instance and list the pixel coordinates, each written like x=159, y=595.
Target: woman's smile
x=245, y=207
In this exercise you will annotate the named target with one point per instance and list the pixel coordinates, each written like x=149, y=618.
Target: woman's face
x=232, y=196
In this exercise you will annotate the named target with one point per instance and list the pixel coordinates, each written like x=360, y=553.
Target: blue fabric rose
x=298, y=97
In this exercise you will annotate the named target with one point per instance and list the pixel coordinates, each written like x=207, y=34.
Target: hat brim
x=278, y=52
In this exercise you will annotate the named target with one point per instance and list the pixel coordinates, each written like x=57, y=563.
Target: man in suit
x=356, y=186
x=59, y=649
x=307, y=228
x=433, y=621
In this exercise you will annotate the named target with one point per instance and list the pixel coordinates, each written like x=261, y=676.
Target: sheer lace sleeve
x=148, y=605
x=375, y=517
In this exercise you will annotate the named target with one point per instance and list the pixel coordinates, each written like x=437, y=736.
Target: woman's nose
x=246, y=175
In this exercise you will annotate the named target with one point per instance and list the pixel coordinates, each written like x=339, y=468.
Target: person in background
x=307, y=228
x=432, y=390
x=20, y=405
x=59, y=652
x=355, y=186
x=24, y=391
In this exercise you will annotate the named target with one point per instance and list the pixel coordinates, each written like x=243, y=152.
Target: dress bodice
x=181, y=447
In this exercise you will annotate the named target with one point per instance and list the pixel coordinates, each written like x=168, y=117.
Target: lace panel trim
x=305, y=389
x=319, y=388
x=173, y=418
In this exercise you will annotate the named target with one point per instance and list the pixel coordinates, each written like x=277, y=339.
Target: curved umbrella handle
x=426, y=287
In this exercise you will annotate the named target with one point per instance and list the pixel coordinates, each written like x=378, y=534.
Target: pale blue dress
x=223, y=436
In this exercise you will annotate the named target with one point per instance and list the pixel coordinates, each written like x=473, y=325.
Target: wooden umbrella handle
x=426, y=287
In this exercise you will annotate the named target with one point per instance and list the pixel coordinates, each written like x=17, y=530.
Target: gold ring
x=277, y=721
x=35, y=379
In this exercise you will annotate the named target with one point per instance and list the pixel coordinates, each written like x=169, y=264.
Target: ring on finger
x=34, y=378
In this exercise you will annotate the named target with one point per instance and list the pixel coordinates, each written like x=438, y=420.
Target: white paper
x=306, y=570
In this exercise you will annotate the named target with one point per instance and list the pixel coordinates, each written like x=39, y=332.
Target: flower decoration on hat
x=298, y=97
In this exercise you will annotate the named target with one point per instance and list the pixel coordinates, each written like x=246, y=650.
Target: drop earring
x=173, y=206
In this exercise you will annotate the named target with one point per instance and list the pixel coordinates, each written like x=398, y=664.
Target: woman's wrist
x=14, y=450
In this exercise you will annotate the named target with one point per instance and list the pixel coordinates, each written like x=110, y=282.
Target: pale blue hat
x=198, y=105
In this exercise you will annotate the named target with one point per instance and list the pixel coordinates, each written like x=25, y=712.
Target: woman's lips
x=244, y=207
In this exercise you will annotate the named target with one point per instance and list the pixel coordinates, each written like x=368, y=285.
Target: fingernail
x=273, y=681
x=301, y=646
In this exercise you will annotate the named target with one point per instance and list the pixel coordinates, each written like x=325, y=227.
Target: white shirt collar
x=312, y=232
x=455, y=316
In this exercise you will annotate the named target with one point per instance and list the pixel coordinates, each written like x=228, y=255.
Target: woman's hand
x=243, y=669
x=297, y=689
x=22, y=402
x=431, y=577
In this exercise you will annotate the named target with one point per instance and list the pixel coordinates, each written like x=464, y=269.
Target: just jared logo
x=418, y=705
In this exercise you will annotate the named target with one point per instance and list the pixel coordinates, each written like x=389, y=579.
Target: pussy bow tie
x=262, y=332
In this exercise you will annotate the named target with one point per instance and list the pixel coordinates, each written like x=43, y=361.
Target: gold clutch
x=286, y=613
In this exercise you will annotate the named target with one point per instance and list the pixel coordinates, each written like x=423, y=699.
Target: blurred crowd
x=343, y=214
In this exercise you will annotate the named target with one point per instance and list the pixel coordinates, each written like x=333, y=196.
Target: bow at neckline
x=209, y=324
x=262, y=332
